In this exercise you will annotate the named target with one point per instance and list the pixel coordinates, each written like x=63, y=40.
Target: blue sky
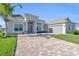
x=49, y=12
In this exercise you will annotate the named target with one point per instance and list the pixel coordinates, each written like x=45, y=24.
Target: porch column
x=26, y=26
x=35, y=27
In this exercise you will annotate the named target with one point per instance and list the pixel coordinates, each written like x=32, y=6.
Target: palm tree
x=6, y=10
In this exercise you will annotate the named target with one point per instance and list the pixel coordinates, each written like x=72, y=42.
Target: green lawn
x=68, y=37
x=7, y=45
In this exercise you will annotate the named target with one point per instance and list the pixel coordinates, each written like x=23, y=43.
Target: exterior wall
x=42, y=25
x=77, y=26
x=58, y=28
x=70, y=26
x=25, y=21
x=25, y=25
x=62, y=28
x=35, y=20
x=11, y=26
x=46, y=28
x=35, y=27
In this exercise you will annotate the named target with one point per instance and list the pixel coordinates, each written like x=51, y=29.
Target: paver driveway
x=37, y=46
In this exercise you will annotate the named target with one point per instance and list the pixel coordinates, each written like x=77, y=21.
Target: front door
x=30, y=27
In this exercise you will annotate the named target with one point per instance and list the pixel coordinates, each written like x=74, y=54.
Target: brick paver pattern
x=44, y=46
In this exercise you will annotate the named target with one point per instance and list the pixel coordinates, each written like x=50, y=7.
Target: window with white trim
x=18, y=27
x=38, y=27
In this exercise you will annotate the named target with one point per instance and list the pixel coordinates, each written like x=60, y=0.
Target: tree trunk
x=6, y=33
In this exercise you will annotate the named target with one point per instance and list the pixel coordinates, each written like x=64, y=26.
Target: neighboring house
x=77, y=26
x=61, y=26
x=26, y=23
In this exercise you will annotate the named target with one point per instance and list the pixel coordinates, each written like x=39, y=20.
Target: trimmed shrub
x=74, y=32
x=2, y=34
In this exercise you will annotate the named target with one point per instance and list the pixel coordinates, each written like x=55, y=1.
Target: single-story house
x=61, y=26
x=26, y=23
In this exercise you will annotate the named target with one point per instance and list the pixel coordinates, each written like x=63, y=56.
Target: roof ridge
x=65, y=18
x=61, y=20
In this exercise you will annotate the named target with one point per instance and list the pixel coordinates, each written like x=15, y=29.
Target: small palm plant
x=6, y=10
